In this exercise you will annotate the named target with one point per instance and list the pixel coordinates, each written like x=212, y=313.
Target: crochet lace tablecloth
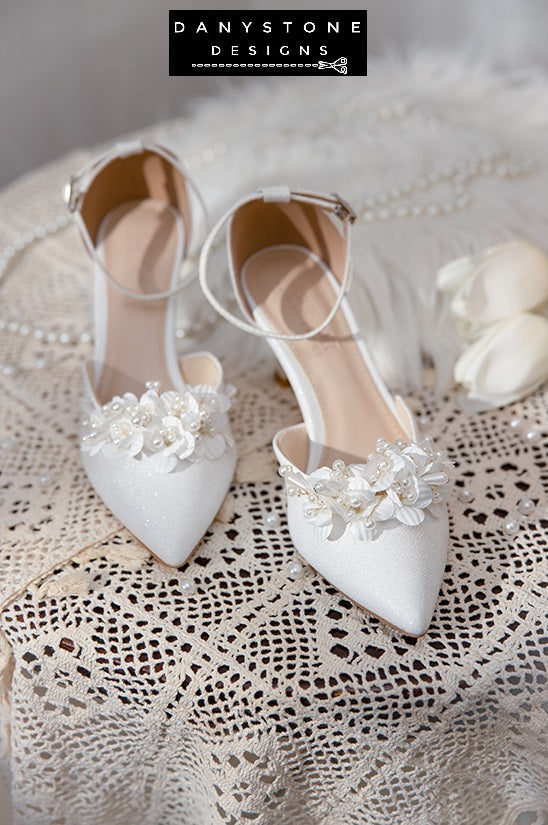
x=259, y=697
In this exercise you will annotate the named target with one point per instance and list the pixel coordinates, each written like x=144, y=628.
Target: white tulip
x=509, y=361
x=500, y=282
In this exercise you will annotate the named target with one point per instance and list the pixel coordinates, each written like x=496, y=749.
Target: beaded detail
x=397, y=484
x=162, y=429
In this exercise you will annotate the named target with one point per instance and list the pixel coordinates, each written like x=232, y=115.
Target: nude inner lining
x=138, y=250
x=293, y=292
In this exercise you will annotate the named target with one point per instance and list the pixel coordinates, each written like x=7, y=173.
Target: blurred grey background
x=77, y=72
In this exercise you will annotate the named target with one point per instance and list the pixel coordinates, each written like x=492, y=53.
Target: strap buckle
x=343, y=210
x=71, y=194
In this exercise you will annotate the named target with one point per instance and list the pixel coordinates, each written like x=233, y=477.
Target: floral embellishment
x=397, y=484
x=163, y=429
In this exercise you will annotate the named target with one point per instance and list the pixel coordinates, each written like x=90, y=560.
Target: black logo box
x=268, y=42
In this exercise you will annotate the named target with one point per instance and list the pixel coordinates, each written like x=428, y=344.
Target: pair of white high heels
x=365, y=494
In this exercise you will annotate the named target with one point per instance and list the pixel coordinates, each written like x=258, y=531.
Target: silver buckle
x=343, y=210
x=70, y=195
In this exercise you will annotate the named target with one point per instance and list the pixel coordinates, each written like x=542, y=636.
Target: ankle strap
x=79, y=184
x=281, y=194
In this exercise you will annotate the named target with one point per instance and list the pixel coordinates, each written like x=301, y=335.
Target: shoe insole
x=294, y=294
x=140, y=241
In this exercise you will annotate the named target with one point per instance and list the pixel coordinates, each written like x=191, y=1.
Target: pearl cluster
x=398, y=482
x=162, y=429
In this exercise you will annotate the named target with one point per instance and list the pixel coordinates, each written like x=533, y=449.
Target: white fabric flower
x=163, y=430
x=398, y=484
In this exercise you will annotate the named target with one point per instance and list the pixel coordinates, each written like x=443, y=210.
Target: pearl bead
x=400, y=443
x=526, y=506
x=515, y=423
x=40, y=363
x=466, y=495
x=355, y=501
x=511, y=526
x=295, y=570
x=424, y=421
x=7, y=443
x=153, y=385
x=188, y=587
x=272, y=519
x=157, y=443
x=7, y=370
x=44, y=479
x=85, y=338
x=338, y=464
x=320, y=487
x=532, y=436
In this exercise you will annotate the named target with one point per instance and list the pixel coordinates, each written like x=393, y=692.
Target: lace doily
x=243, y=687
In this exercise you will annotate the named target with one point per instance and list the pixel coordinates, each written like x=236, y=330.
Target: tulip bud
x=500, y=282
x=509, y=361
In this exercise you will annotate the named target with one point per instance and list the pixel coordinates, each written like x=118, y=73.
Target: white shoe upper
x=378, y=531
x=377, y=527
x=162, y=463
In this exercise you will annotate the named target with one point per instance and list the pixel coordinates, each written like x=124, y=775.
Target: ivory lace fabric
x=259, y=697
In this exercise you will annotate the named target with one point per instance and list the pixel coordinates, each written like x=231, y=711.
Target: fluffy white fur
x=314, y=132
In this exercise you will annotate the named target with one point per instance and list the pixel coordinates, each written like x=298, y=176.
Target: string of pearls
x=394, y=203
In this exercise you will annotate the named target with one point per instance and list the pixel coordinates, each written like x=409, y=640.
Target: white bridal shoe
x=155, y=439
x=365, y=494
